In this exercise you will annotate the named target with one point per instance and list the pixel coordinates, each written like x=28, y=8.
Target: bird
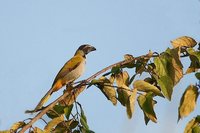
x=71, y=71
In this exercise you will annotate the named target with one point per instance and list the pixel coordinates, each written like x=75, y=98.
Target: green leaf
x=166, y=86
x=168, y=71
x=74, y=124
x=146, y=103
x=17, y=125
x=142, y=85
x=84, y=123
x=67, y=111
x=123, y=95
x=162, y=75
x=195, y=60
x=83, y=115
x=83, y=120
x=192, y=52
x=116, y=70
x=161, y=64
x=192, y=124
x=196, y=129
x=83, y=130
x=57, y=110
x=54, y=122
x=140, y=67
x=197, y=75
x=131, y=103
x=76, y=131
x=188, y=101
x=183, y=41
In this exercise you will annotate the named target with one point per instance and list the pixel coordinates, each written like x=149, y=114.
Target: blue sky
x=38, y=37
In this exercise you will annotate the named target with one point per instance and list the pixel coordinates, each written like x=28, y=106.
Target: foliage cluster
x=161, y=72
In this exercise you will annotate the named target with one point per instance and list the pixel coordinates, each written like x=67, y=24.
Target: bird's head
x=85, y=49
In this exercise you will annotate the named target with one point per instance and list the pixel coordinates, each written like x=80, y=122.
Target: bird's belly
x=76, y=73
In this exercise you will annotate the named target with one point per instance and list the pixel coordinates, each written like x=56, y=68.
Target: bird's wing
x=72, y=64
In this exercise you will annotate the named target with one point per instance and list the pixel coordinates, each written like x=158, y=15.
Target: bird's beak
x=92, y=49
x=89, y=49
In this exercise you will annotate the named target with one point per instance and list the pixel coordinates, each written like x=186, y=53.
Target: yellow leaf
x=54, y=122
x=37, y=130
x=183, y=41
x=130, y=107
x=5, y=131
x=128, y=57
x=112, y=79
x=17, y=125
x=188, y=101
x=70, y=99
x=122, y=79
x=191, y=124
x=175, y=67
x=141, y=85
x=108, y=90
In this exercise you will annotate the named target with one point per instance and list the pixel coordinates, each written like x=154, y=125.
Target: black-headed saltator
x=72, y=70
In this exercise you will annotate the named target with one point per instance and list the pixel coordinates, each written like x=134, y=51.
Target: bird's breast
x=76, y=73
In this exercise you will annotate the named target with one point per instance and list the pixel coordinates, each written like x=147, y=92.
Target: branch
x=67, y=96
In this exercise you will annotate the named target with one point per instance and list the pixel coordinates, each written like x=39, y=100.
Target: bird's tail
x=44, y=99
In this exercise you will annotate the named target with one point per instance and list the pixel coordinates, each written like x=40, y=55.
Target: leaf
x=175, y=69
x=17, y=125
x=57, y=110
x=112, y=78
x=116, y=70
x=84, y=123
x=142, y=85
x=195, y=60
x=168, y=71
x=188, y=101
x=74, y=124
x=183, y=41
x=166, y=86
x=129, y=57
x=83, y=130
x=196, y=129
x=140, y=66
x=76, y=131
x=122, y=79
x=67, y=111
x=192, y=124
x=194, y=53
x=49, y=127
x=5, y=131
x=70, y=99
x=108, y=90
x=83, y=120
x=146, y=103
x=131, y=103
x=83, y=115
x=65, y=126
x=123, y=95
x=38, y=130
x=197, y=75
x=164, y=81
